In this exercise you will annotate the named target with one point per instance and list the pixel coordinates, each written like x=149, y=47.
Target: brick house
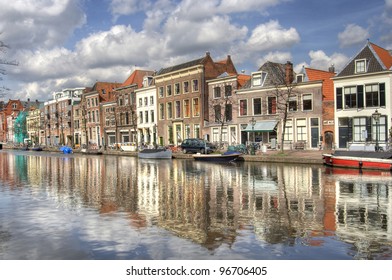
x=182, y=97
x=223, y=108
x=92, y=115
x=126, y=119
x=58, y=120
x=274, y=89
x=12, y=107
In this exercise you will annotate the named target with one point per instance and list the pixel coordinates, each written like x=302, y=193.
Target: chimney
x=289, y=73
x=207, y=53
x=331, y=69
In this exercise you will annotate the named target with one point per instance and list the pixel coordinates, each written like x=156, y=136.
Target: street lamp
x=376, y=117
x=155, y=135
x=253, y=123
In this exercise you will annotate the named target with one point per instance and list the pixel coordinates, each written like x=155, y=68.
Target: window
x=152, y=116
x=300, y=78
x=350, y=97
x=301, y=130
x=146, y=116
x=160, y=91
x=187, y=131
x=217, y=92
x=243, y=107
x=177, y=89
x=360, y=132
x=151, y=100
x=257, y=106
x=229, y=112
x=140, y=102
x=293, y=106
x=217, y=112
x=196, y=109
x=271, y=105
x=127, y=118
x=228, y=90
x=187, y=109
x=307, y=102
x=288, y=135
x=372, y=95
x=258, y=79
x=140, y=117
x=196, y=131
x=215, y=134
x=161, y=111
x=178, y=109
x=379, y=130
x=145, y=101
x=169, y=110
x=186, y=87
x=360, y=66
x=195, y=85
x=168, y=90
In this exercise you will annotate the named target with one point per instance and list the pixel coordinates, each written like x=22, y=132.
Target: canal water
x=76, y=207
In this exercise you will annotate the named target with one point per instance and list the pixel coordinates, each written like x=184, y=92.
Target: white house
x=363, y=100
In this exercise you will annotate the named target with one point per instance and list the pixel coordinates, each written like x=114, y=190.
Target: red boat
x=359, y=160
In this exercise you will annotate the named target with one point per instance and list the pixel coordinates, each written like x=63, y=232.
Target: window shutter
x=339, y=96
x=360, y=96
x=350, y=130
x=382, y=94
x=369, y=128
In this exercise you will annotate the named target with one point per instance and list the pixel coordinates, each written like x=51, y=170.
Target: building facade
x=182, y=98
x=363, y=100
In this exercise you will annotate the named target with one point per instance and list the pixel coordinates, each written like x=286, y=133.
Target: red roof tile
x=384, y=55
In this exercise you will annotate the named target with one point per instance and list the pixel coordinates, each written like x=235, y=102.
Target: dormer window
x=360, y=66
x=300, y=78
x=258, y=79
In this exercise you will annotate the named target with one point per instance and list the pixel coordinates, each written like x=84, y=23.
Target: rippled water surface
x=55, y=206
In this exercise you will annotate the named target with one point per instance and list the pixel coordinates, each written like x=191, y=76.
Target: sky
x=62, y=44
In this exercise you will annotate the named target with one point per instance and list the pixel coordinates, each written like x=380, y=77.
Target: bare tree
x=3, y=48
x=222, y=113
x=284, y=96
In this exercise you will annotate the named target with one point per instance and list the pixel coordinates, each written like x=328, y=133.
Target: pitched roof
x=378, y=60
x=137, y=78
x=188, y=64
x=326, y=78
x=384, y=55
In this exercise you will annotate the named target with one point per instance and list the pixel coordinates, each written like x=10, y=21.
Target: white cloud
x=127, y=7
x=33, y=24
x=320, y=60
x=272, y=36
x=280, y=57
x=353, y=34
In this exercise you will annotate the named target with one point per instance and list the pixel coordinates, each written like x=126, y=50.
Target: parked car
x=194, y=145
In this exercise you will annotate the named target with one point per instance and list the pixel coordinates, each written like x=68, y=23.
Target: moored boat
x=225, y=157
x=359, y=160
x=156, y=153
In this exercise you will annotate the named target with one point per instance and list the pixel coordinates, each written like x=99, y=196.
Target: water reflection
x=246, y=210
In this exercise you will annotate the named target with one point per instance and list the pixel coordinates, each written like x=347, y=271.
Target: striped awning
x=262, y=126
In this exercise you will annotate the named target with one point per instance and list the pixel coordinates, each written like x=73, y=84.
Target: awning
x=261, y=126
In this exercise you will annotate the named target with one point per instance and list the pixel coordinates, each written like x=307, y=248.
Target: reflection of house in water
x=363, y=211
x=287, y=202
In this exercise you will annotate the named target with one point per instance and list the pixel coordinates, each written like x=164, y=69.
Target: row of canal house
x=209, y=99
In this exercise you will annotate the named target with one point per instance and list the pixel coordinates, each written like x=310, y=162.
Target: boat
x=91, y=151
x=156, y=153
x=225, y=157
x=359, y=160
x=37, y=149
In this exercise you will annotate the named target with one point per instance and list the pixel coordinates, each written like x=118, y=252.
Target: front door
x=343, y=137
